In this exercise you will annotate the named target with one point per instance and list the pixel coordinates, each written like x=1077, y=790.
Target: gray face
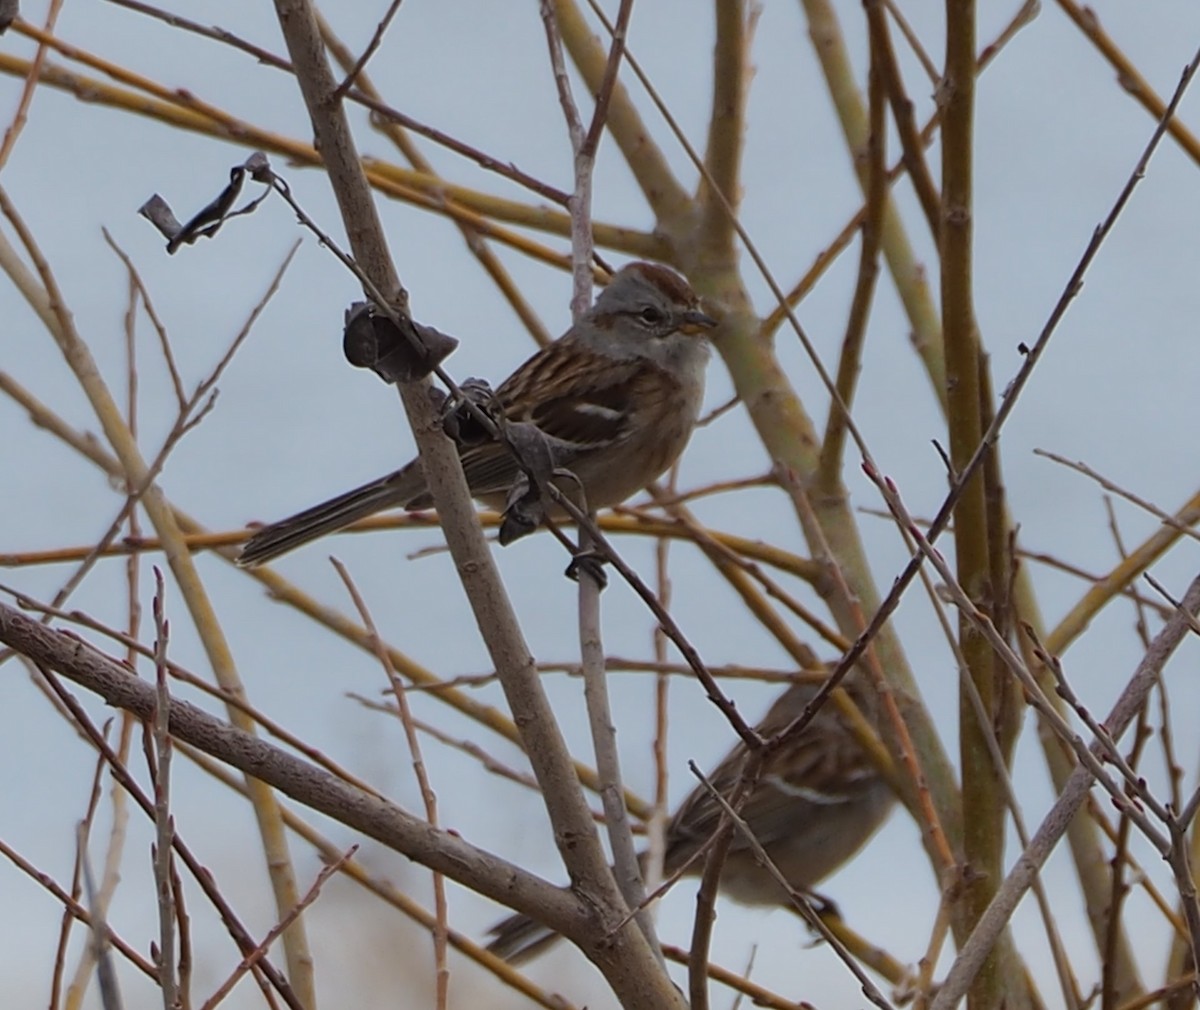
x=649, y=311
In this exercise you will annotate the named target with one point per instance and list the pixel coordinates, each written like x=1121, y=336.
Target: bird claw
x=590, y=563
x=460, y=413
x=823, y=905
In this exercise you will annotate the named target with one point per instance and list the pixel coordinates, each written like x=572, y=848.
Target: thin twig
x=626, y=868
x=251, y=959
x=437, y=848
x=799, y=901
x=976, y=948
x=1148, y=506
x=134, y=471
x=147, y=702
x=164, y=342
x=69, y=915
x=21, y=115
x=164, y=826
x=376, y=41
x=75, y=909
x=428, y=796
x=829, y=466
x=106, y=973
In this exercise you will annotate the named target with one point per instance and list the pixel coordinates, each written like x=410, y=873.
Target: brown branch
x=609, y=81
x=444, y=851
x=135, y=473
x=829, y=466
x=626, y=869
x=385, y=889
x=726, y=125
x=360, y=65
x=21, y=115
x=628, y=520
x=983, y=808
x=476, y=243
x=364, y=96
x=164, y=822
x=661, y=189
x=428, y=796
x=1128, y=75
x=1116, y=985
x=911, y=144
x=627, y=962
x=992, y=922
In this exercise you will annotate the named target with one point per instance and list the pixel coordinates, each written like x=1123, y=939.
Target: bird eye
x=652, y=316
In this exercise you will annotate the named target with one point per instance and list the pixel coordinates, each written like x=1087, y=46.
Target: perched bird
x=815, y=805
x=619, y=393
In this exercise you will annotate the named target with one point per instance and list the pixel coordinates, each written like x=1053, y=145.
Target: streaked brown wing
x=809, y=784
x=698, y=815
x=600, y=417
x=822, y=767
x=576, y=395
x=490, y=469
x=573, y=395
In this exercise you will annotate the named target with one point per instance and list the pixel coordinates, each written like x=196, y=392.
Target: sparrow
x=816, y=803
x=618, y=394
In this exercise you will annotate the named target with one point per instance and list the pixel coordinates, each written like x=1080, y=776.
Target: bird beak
x=694, y=322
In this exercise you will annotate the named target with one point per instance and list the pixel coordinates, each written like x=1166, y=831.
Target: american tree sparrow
x=815, y=805
x=619, y=393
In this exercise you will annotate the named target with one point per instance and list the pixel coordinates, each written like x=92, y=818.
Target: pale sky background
x=1057, y=137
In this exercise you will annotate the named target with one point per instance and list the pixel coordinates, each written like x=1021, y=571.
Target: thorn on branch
x=951, y=473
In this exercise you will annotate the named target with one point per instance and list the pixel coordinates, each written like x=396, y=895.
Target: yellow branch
x=183, y=110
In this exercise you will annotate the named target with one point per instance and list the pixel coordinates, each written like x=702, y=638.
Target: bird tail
x=519, y=938
x=330, y=516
